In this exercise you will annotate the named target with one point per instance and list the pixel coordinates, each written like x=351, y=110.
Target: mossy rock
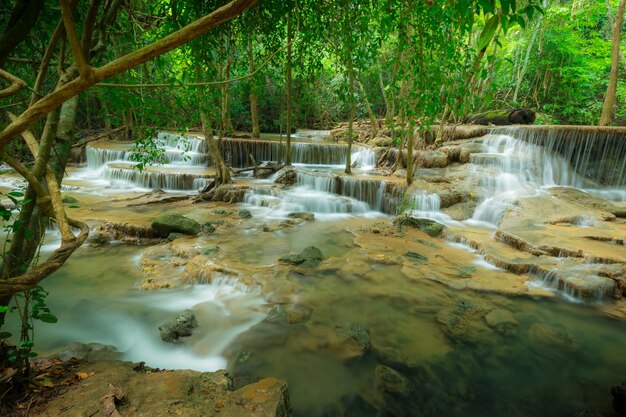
x=168, y=223
x=69, y=199
x=416, y=257
x=429, y=226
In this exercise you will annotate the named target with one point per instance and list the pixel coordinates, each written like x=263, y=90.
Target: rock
x=220, y=212
x=464, y=322
x=501, y=321
x=302, y=215
x=310, y=257
x=244, y=214
x=268, y=397
x=173, y=236
x=87, y=352
x=298, y=313
x=181, y=326
x=619, y=398
x=390, y=381
x=168, y=223
x=381, y=141
x=428, y=226
x=417, y=258
x=543, y=335
x=353, y=340
x=209, y=250
x=228, y=193
x=69, y=199
x=97, y=238
x=208, y=228
x=432, y=159
x=286, y=176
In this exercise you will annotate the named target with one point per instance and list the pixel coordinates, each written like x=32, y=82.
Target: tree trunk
x=609, y=98
x=348, y=169
x=222, y=174
x=522, y=73
x=409, y=151
x=254, y=111
x=289, y=82
x=388, y=106
x=373, y=118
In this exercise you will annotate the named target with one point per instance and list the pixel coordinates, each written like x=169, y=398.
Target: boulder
x=286, y=176
x=182, y=326
x=168, y=223
x=310, y=257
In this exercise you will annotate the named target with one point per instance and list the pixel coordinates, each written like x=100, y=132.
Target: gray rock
x=168, y=223
x=245, y=214
x=181, y=326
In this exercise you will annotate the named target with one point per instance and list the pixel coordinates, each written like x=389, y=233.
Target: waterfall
x=149, y=179
x=237, y=152
x=597, y=155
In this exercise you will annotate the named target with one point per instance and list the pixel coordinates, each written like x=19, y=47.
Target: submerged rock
x=543, y=336
x=501, y=320
x=391, y=381
x=181, y=326
x=168, y=223
x=244, y=214
x=310, y=257
x=351, y=340
x=464, y=322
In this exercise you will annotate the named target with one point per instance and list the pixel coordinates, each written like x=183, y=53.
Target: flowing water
x=460, y=351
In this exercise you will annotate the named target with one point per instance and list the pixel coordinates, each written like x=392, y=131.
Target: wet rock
x=619, y=398
x=542, y=336
x=415, y=257
x=69, y=199
x=97, y=238
x=428, y=226
x=432, y=159
x=268, y=397
x=302, y=215
x=310, y=257
x=501, y=321
x=286, y=176
x=220, y=212
x=244, y=214
x=173, y=236
x=87, y=352
x=208, y=228
x=351, y=340
x=181, y=326
x=168, y=223
x=209, y=250
x=391, y=381
x=464, y=322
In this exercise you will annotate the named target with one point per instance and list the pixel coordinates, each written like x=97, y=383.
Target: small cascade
x=237, y=153
x=597, y=155
x=427, y=205
x=127, y=177
x=98, y=157
x=182, y=143
x=512, y=168
x=576, y=284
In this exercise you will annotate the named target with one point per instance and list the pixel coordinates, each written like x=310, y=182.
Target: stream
x=372, y=331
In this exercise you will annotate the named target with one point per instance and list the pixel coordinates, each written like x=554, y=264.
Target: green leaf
x=73, y=206
x=47, y=318
x=5, y=335
x=488, y=31
x=16, y=193
x=487, y=5
x=506, y=5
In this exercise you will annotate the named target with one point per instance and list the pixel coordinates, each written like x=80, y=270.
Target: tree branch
x=81, y=62
x=16, y=84
x=131, y=60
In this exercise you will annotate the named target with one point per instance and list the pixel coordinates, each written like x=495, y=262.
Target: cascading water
x=512, y=168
